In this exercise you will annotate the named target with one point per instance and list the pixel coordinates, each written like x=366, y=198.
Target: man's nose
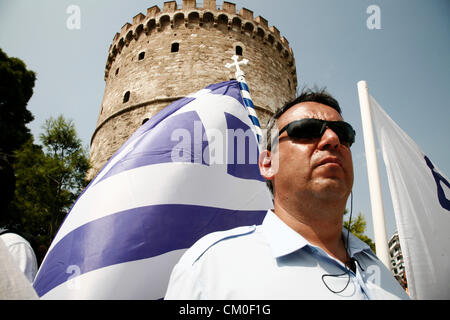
x=329, y=140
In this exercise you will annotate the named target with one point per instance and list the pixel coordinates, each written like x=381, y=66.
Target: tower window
x=117, y=71
x=175, y=47
x=238, y=50
x=126, y=97
x=141, y=55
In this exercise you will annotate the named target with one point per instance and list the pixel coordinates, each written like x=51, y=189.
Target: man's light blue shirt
x=271, y=262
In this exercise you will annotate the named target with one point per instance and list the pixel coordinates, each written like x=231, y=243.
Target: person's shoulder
x=11, y=238
x=213, y=241
x=357, y=244
x=209, y=258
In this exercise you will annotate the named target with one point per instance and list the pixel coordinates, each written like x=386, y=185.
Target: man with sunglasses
x=301, y=250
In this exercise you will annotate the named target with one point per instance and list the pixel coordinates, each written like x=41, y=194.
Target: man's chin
x=332, y=189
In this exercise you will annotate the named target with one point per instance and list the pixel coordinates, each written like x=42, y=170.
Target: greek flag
x=189, y=171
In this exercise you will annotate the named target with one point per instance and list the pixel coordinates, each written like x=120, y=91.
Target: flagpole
x=245, y=91
x=376, y=199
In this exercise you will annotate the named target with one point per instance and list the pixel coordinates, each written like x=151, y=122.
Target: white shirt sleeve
x=190, y=276
x=13, y=284
x=24, y=257
x=184, y=284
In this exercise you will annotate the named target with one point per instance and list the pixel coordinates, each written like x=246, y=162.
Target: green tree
x=49, y=178
x=16, y=89
x=358, y=227
x=26, y=210
x=68, y=163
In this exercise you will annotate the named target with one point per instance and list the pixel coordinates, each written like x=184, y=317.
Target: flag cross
x=237, y=63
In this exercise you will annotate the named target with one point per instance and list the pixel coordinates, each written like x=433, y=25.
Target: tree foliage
x=49, y=179
x=7, y=183
x=16, y=89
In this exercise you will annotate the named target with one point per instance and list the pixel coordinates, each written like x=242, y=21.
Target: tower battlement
x=208, y=15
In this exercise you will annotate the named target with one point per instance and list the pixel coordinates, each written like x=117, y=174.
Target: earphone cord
x=347, y=269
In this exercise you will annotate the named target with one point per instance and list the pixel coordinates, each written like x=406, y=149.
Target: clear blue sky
x=406, y=63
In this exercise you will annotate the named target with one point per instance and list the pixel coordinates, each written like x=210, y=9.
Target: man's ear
x=266, y=165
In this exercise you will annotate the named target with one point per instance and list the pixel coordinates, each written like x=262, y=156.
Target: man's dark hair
x=306, y=95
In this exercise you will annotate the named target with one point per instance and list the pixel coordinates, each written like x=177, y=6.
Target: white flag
x=420, y=195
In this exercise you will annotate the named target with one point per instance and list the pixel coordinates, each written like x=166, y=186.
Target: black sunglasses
x=315, y=128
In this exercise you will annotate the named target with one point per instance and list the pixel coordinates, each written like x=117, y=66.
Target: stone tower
x=170, y=53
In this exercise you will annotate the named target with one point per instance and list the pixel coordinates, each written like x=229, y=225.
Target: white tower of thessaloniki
x=167, y=54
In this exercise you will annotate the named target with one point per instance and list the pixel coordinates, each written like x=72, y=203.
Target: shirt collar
x=355, y=245
x=283, y=240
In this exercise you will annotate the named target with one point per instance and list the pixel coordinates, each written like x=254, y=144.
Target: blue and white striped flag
x=189, y=171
